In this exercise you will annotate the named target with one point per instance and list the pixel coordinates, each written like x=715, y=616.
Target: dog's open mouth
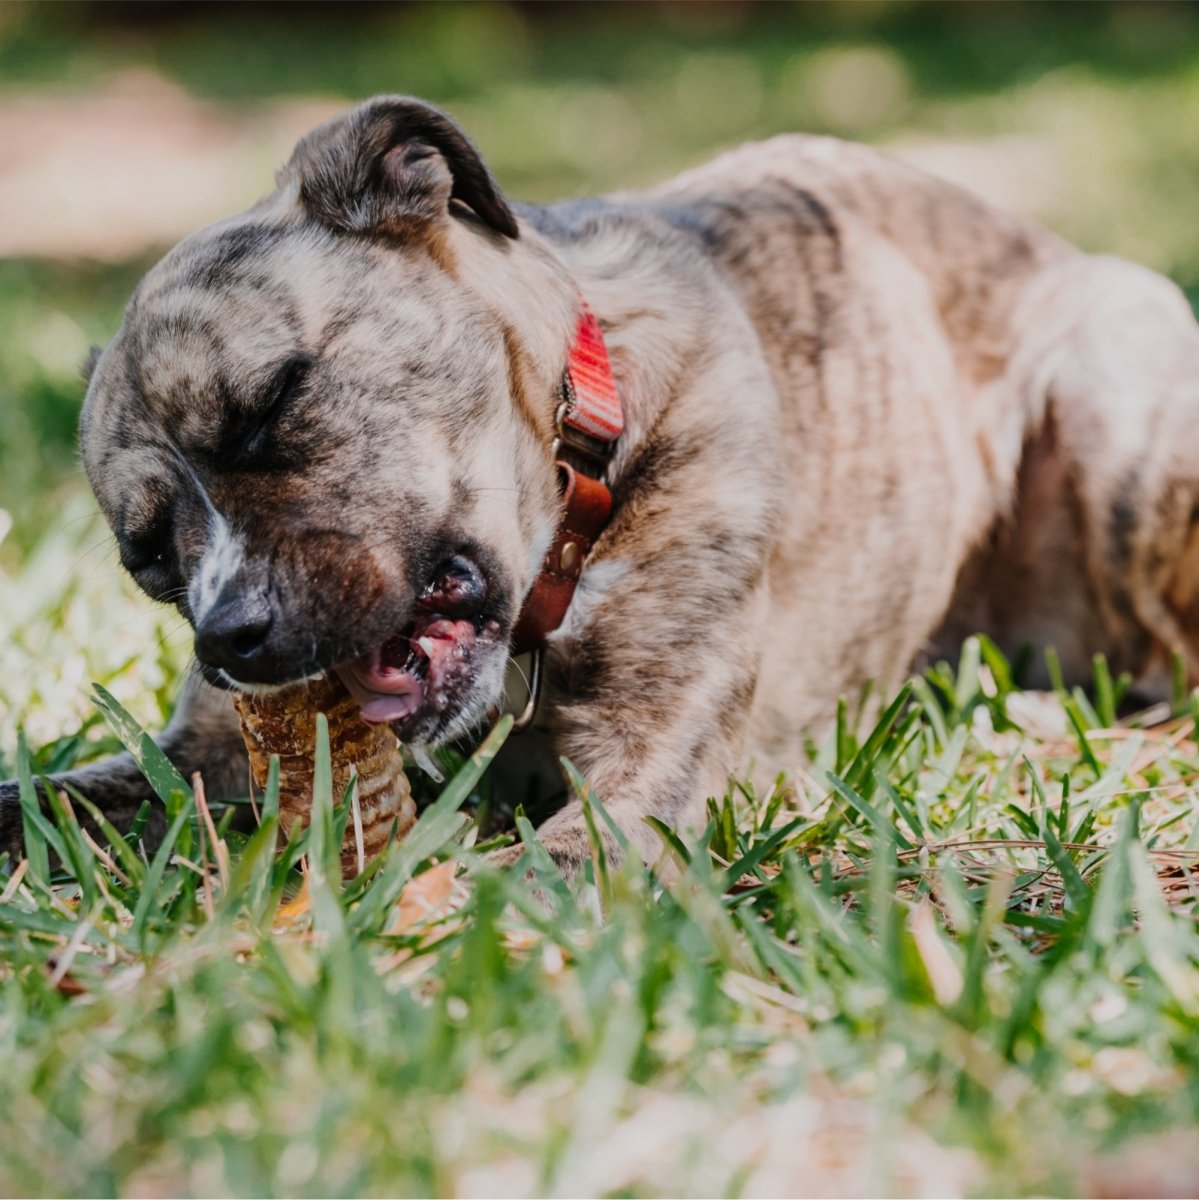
x=421, y=668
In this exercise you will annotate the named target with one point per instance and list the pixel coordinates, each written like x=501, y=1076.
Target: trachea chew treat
x=283, y=722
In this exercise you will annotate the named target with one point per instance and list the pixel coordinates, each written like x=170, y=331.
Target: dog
x=864, y=414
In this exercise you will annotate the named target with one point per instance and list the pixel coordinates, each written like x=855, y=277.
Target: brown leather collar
x=589, y=420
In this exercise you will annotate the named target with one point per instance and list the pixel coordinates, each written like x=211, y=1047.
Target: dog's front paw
x=505, y=856
x=12, y=831
x=569, y=848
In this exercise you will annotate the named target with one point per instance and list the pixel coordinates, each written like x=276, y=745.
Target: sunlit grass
x=69, y=615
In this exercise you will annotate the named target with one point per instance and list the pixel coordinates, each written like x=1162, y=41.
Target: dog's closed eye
x=147, y=552
x=286, y=384
x=145, y=530
x=243, y=440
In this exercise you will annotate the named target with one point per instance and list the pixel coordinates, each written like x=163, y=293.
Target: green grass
x=958, y=954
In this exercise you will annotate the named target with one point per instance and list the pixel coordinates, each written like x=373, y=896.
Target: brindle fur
x=866, y=414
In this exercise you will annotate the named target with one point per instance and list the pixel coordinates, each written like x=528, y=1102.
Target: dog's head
x=323, y=429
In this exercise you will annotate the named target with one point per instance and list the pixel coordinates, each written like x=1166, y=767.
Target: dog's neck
x=535, y=299
x=653, y=328
x=533, y=284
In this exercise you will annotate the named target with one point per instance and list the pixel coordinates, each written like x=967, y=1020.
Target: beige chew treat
x=283, y=722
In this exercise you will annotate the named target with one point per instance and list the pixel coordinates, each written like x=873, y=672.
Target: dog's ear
x=391, y=165
x=88, y=367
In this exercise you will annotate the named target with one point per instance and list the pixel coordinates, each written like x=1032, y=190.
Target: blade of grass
x=79, y=856
x=324, y=846
x=31, y=816
x=168, y=784
x=583, y=790
x=749, y=862
x=876, y=819
x=860, y=772
x=159, y=771
x=154, y=876
x=129, y=860
x=1105, y=692
x=1074, y=713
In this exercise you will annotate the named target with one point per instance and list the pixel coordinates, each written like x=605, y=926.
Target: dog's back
x=889, y=309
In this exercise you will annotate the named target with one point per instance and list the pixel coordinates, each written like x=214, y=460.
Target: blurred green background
x=124, y=125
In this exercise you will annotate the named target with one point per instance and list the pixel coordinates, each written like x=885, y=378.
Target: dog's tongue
x=383, y=694
x=386, y=691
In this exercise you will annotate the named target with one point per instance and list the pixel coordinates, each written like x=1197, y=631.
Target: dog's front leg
x=203, y=735
x=657, y=717
x=650, y=681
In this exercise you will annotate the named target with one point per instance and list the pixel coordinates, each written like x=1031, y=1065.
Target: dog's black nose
x=234, y=636
x=459, y=588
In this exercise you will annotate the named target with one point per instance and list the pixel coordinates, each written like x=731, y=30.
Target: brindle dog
x=865, y=414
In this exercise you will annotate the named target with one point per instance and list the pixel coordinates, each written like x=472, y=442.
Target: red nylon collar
x=592, y=403
x=589, y=419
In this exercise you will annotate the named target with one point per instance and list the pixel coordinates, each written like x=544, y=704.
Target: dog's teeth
x=426, y=645
x=424, y=760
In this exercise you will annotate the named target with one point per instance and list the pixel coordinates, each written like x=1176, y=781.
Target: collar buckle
x=573, y=443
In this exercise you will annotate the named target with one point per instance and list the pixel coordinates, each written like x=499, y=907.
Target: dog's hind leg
x=1101, y=551
x=203, y=735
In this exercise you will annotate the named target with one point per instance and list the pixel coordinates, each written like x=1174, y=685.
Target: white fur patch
x=220, y=563
x=593, y=586
x=541, y=544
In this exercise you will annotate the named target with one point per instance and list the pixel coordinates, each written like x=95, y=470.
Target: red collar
x=588, y=422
